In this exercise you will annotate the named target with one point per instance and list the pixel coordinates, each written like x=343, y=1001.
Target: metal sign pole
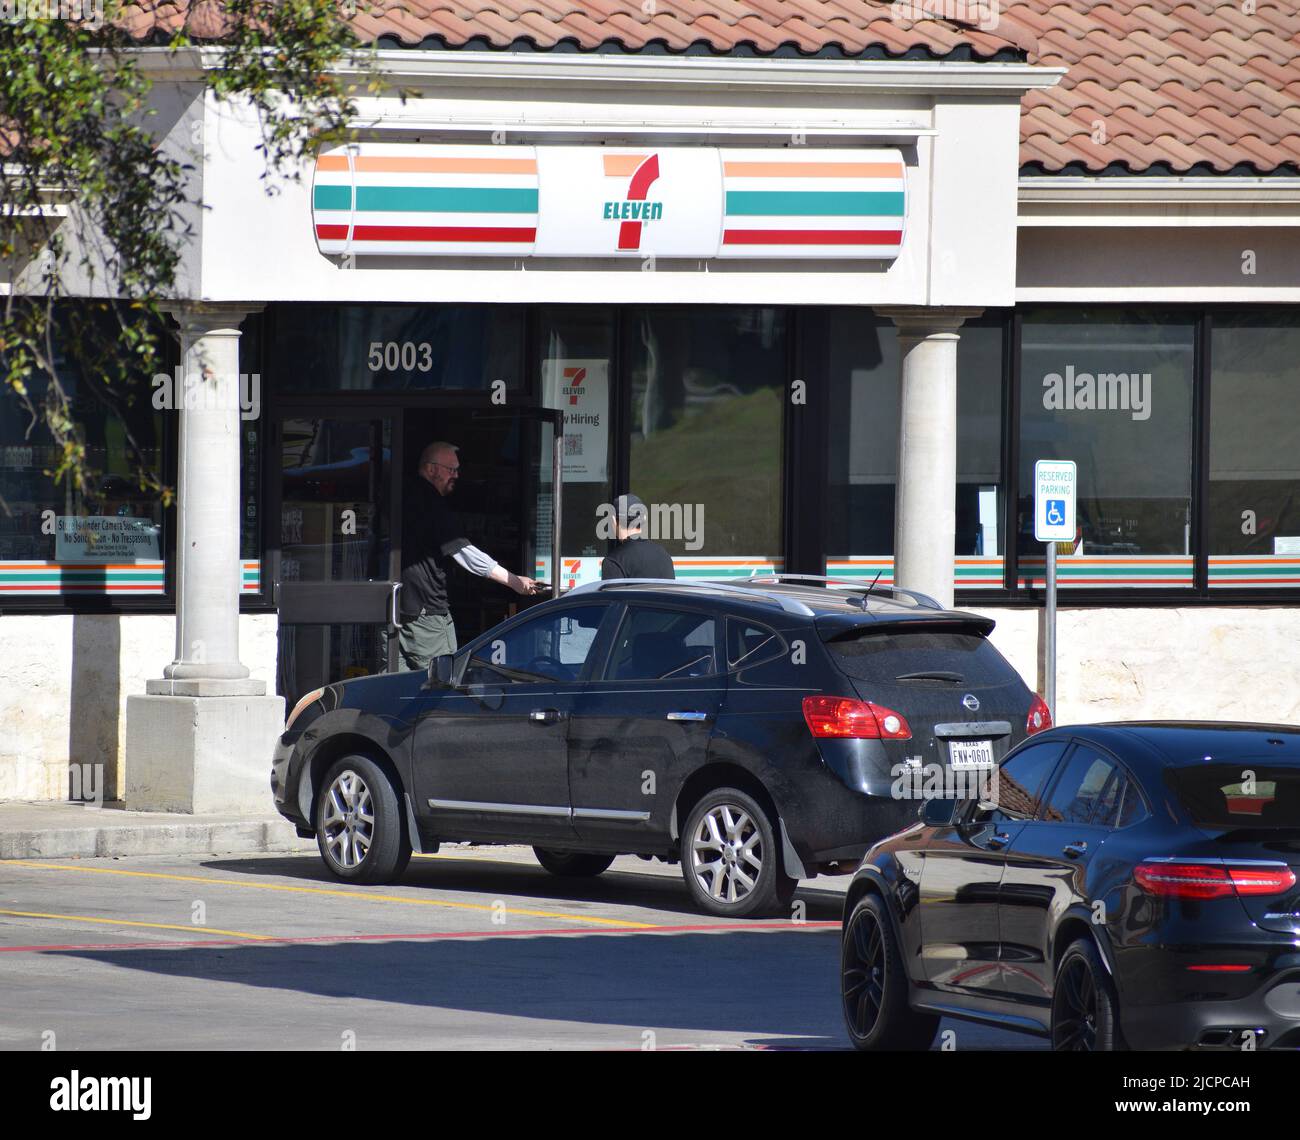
x=557, y=474
x=1049, y=635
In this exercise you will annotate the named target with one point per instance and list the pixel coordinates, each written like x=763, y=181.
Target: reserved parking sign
x=1054, y=495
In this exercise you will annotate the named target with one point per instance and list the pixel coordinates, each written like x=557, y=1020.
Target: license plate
x=970, y=753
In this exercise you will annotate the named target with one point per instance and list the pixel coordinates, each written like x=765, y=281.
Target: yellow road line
x=129, y=922
x=332, y=892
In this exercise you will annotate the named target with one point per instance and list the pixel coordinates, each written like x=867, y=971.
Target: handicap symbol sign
x=1055, y=512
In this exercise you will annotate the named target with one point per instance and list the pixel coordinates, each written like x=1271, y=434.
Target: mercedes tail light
x=1191, y=880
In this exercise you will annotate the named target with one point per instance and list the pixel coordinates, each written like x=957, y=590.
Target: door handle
x=392, y=606
x=1076, y=849
x=998, y=840
x=687, y=714
x=544, y=716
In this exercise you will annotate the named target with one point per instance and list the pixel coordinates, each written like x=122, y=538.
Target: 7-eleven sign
x=633, y=202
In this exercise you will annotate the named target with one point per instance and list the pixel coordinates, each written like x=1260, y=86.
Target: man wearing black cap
x=634, y=556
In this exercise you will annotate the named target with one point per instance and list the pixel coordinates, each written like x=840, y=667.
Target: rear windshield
x=1240, y=795
x=907, y=654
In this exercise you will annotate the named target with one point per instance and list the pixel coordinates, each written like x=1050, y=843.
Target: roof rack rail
x=921, y=599
x=790, y=605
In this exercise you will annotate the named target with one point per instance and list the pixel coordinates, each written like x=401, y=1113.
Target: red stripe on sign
x=445, y=233
x=332, y=233
x=812, y=237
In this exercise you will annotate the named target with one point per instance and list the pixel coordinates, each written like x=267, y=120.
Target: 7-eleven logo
x=642, y=171
x=574, y=378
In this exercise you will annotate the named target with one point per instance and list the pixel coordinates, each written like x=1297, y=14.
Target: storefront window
x=577, y=377
x=1254, y=500
x=56, y=540
x=1111, y=391
x=386, y=348
x=708, y=389
x=859, y=362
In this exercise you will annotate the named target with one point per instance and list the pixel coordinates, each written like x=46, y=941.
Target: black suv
x=759, y=731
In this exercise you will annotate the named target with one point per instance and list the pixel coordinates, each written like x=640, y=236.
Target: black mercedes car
x=757, y=731
x=1111, y=886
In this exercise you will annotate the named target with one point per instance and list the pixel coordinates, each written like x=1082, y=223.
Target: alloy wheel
x=348, y=819
x=727, y=853
x=862, y=981
x=1075, y=1008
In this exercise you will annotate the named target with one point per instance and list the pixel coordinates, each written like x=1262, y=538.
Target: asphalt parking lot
x=476, y=948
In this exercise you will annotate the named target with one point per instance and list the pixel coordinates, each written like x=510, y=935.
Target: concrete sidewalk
x=62, y=830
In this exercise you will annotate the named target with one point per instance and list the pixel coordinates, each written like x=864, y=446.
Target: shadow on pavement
x=764, y=985
x=520, y=881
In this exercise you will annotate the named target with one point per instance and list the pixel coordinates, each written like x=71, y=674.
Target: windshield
x=1244, y=794
x=915, y=653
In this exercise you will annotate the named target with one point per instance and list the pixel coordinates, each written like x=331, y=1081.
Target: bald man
x=431, y=540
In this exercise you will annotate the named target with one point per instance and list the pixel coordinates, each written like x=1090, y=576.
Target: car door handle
x=998, y=840
x=544, y=716
x=687, y=714
x=1076, y=849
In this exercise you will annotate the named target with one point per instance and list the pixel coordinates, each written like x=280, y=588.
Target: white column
x=201, y=736
x=207, y=538
x=925, y=518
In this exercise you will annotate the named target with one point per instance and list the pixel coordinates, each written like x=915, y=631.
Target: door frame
x=393, y=406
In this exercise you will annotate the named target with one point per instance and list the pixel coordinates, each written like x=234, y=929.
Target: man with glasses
x=431, y=540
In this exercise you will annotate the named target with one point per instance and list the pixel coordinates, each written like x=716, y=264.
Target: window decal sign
x=617, y=202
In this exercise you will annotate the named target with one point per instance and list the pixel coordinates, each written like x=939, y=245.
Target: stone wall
x=66, y=680
x=1135, y=664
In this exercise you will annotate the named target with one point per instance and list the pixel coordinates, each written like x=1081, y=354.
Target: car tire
x=572, y=864
x=873, y=985
x=747, y=877
x=1085, y=1008
x=360, y=829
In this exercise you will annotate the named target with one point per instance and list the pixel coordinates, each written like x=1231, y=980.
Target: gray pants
x=423, y=638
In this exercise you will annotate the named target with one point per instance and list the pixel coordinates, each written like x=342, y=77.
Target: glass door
x=336, y=572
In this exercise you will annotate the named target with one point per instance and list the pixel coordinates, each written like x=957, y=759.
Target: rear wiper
x=931, y=675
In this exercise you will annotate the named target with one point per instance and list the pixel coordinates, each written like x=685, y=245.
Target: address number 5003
x=406, y=355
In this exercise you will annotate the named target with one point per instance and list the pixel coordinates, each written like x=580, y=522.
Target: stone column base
x=201, y=755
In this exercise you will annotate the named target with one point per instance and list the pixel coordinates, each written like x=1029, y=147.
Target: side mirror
x=939, y=813
x=440, y=671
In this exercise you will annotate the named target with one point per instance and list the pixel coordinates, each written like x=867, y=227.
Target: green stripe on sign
x=85, y=577
x=815, y=203
x=332, y=197
x=447, y=199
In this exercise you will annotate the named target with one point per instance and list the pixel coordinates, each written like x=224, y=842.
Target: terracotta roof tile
x=1179, y=84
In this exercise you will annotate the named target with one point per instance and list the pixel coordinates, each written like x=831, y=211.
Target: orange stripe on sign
x=402, y=164
x=813, y=169
x=391, y=164
x=621, y=165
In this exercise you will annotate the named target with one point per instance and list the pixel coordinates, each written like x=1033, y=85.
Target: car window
x=1021, y=779
x=1133, y=808
x=1110, y=801
x=654, y=644
x=903, y=653
x=553, y=647
x=1246, y=794
x=751, y=644
x=1079, y=790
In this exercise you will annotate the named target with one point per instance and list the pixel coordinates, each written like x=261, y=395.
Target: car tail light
x=1222, y=968
x=1212, y=880
x=1039, y=718
x=852, y=719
